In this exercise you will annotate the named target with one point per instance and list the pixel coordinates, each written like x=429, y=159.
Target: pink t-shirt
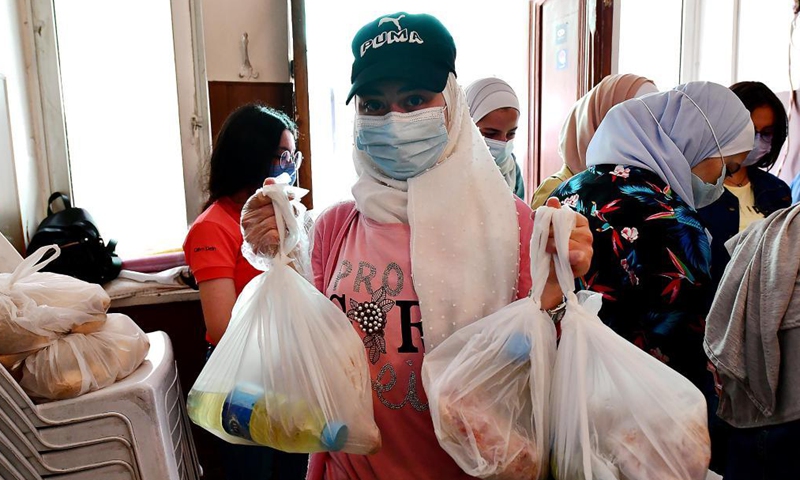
x=371, y=271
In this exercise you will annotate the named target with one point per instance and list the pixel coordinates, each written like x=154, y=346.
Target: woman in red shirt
x=255, y=142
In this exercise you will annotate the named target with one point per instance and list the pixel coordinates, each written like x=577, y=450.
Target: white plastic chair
x=100, y=430
x=9, y=472
x=49, y=462
x=16, y=461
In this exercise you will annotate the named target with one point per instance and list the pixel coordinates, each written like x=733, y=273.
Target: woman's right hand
x=259, y=226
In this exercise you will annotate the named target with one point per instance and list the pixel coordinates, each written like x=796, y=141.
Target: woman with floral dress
x=652, y=163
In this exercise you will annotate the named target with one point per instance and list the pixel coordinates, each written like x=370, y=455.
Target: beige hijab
x=589, y=111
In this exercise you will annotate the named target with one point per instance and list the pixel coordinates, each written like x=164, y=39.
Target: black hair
x=754, y=95
x=244, y=150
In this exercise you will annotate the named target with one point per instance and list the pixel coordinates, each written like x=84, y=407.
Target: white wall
x=265, y=22
x=10, y=224
x=20, y=172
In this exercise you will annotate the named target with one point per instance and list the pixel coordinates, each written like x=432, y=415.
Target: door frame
x=594, y=62
x=299, y=73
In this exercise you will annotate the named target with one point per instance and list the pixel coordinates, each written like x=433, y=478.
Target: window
x=764, y=44
x=122, y=136
x=490, y=41
x=651, y=48
x=722, y=41
x=714, y=59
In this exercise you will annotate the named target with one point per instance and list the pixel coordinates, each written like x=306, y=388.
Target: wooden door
x=571, y=52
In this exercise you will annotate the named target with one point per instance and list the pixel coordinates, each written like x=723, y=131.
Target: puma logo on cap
x=402, y=35
x=396, y=21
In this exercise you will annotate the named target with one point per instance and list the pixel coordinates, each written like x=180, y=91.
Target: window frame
x=691, y=24
x=193, y=111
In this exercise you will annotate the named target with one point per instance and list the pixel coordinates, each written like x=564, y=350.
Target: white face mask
x=761, y=147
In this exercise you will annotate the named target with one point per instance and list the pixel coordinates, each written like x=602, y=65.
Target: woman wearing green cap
x=435, y=238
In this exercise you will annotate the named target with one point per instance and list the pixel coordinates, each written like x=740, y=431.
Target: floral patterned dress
x=651, y=262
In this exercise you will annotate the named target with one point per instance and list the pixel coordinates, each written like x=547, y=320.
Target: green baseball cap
x=415, y=47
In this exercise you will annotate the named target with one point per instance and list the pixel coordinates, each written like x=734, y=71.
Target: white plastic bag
x=13, y=362
x=259, y=247
x=619, y=414
x=488, y=385
x=290, y=371
x=77, y=364
x=37, y=308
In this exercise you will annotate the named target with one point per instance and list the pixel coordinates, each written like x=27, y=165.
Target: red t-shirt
x=213, y=246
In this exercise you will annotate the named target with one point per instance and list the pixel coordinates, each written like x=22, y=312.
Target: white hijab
x=485, y=96
x=464, y=227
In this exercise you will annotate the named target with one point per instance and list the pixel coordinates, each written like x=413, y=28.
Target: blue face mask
x=501, y=151
x=707, y=193
x=403, y=145
x=761, y=147
x=287, y=164
x=290, y=170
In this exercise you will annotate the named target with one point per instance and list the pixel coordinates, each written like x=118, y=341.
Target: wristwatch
x=557, y=313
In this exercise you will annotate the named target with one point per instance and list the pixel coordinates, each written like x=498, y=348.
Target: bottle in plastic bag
x=245, y=414
x=205, y=409
x=488, y=386
x=274, y=378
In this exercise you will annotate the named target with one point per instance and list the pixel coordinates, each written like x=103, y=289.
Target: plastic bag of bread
x=619, y=413
x=80, y=363
x=290, y=372
x=13, y=363
x=488, y=385
x=37, y=308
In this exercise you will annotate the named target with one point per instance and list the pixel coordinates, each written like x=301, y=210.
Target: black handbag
x=84, y=254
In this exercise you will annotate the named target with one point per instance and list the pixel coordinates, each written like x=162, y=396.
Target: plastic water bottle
x=334, y=436
x=276, y=421
x=518, y=347
x=295, y=426
x=237, y=410
x=205, y=409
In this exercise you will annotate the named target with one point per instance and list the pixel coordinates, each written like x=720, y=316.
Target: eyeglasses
x=288, y=158
x=766, y=136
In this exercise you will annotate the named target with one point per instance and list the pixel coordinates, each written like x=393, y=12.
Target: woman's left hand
x=580, y=242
